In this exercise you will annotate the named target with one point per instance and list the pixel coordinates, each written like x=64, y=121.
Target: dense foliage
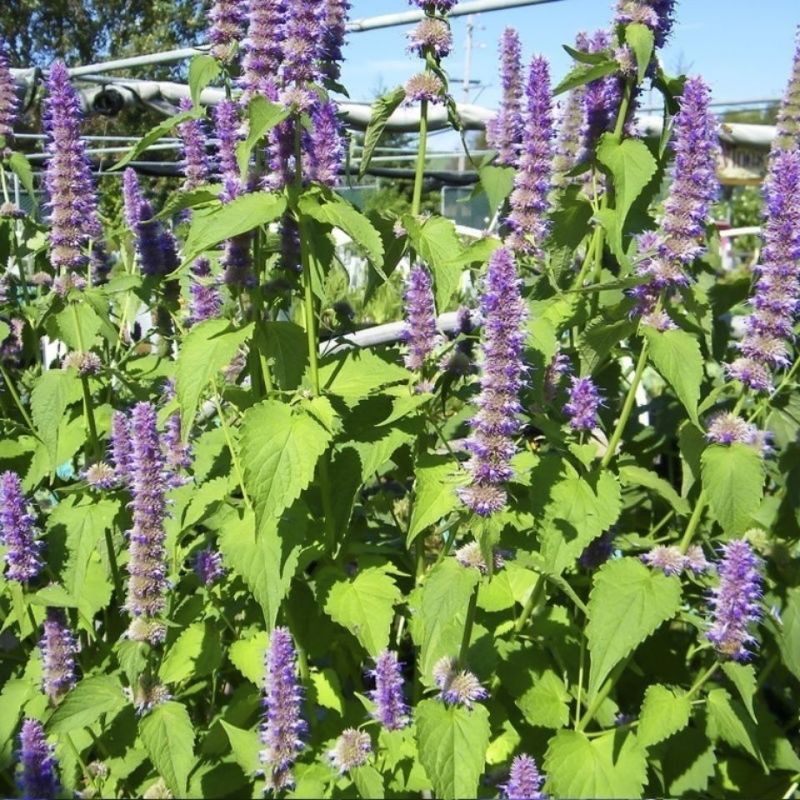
x=545, y=545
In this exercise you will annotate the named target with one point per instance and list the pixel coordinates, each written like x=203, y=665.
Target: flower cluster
x=228, y=19
x=352, y=749
x=263, y=51
x=23, y=550
x=38, y=779
x=584, y=402
x=787, y=126
x=432, y=35
x=457, y=687
x=658, y=15
x=419, y=332
x=9, y=102
x=470, y=555
x=390, y=708
x=504, y=132
x=671, y=561
x=58, y=655
x=601, y=97
x=524, y=780
x=727, y=428
x=195, y=163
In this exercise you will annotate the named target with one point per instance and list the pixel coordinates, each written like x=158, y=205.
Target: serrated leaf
x=743, y=677
x=789, y=637
x=196, y=652
x=733, y=478
x=676, y=355
x=246, y=748
x=247, y=655
x=727, y=720
x=583, y=74
x=207, y=348
x=15, y=694
x=452, y=743
x=381, y=110
x=642, y=42
x=365, y=606
x=688, y=763
x=497, y=182
x=664, y=713
x=546, y=703
x=434, y=493
x=355, y=374
x=78, y=325
x=579, y=767
x=21, y=167
x=202, y=70
x=437, y=244
x=633, y=475
x=280, y=448
x=86, y=703
x=55, y=389
x=151, y=137
x=285, y=345
x=627, y=604
x=369, y=782
x=168, y=736
x=262, y=116
x=599, y=339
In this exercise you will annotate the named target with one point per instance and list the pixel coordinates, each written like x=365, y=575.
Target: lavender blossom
x=325, y=146
x=696, y=560
x=491, y=443
x=736, y=602
x=58, y=655
x=504, y=132
x=303, y=43
x=208, y=566
x=424, y=87
x=529, y=202
x=726, y=429
x=658, y=15
x=37, y=776
x=457, y=687
x=100, y=476
x=23, y=550
x=352, y=749
x=601, y=97
x=584, y=402
x=228, y=18
x=72, y=201
x=263, y=50
x=420, y=329
x=333, y=34
x=283, y=726
x=9, y=102
x=390, y=708
x=177, y=453
x=668, y=558
x=471, y=556
x=227, y=128
x=85, y=364
x=787, y=127
x=205, y=301
x=148, y=585
x=431, y=35
x=558, y=367
x=524, y=780
x=193, y=138
x=570, y=138
x=148, y=693
x=120, y=447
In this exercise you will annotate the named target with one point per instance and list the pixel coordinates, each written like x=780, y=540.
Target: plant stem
x=422, y=153
x=627, y=408
x=532, y=602
x=702, y=679
x=13, y=392
x=694, y=520
x=468, y=624
x=604, y=692
x=112, y=560
x=234, y=455
x=88, y=410
x=580, y=681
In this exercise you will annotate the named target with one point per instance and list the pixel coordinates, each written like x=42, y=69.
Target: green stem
x=88, y=410
x=112, y=560
x=627, y=408
x=580, y=681
x=234, y=455
x=422, y=153
x=308, y=311
x=601, y=696
x=702, y=679
x=694, y=520
x=13, y=392
x=468, y=625
x=532, y=602
x=619, y=128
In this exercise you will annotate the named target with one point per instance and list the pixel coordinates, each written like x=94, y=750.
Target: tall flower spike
x=178, y=454
x=263, y=48
x=58, y=655
x=120, y=447
x=658, y=15
x=493, y=427
x=208, y=566
x=147, y=586
x=420, y=329
x=303, y=45
x=529, y=202
x=72, y=201
x=524, y=780
x=787, y=128
x=325, y=150
x=37, y=774
x=9, y=102
x=204, y=298
x=601, y=97
x=193, y=139
x=504, y=132
x=283, y=726
x=228, y=18
x=568, y=147
x=766, y=344
x=23, y=550
x=584, y=402
x=333, y=35
x=736, y=602
x=390, y=708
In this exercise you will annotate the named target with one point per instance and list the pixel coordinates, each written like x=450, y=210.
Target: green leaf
x=263, y=116
x=365, y=606
x=78, y=325
x=16, y=693
x=664, y=713
x=246, y=748
x=437, y=244
x=168, y=737
x=241, y=215
x=280, y=447
x=434, y=493
x=733, y=478
x=633, y=475
x=151, y=137
x=599, y=339
x=497, y=182
x=207, y=348
x=202, y=70
x=285, y=345
x=86, y=703
x=727, y=720
x=743, y=677
x=789, y=637
x=452, y=744
x=688, y=763
x=369, y=782
x=196, y=652
x=627, y=603
x=583, y=74
x=579, y=767
x=676, y=355
x=546, y=703
x=247, y=655
x=328, y=690
x=21, y=167
x=355, y=374
x=642, y=42
x=55, y=389
x=381, y=110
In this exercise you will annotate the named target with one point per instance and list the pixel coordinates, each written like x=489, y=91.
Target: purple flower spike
x=193, y=137
x=584, y=402
x=72, y=201
x=504, y=132
x=37, y=775
x=524, y=780
x=120, y=449
x=658, y=15
x=23, y=550
x=601, y=98
x=787, y=129
x=570, y=138
x=283, y=726
x=148, y=585
x=491, y=443
x=390, y=708
x=58, y=654
x=9, y=102
x=529, y=202
x=457, y=687
x=228, y=18
x=668, y=558
x=208, y=567
x=178, y=454
x=736, y=602
x=420, y=329
x=325, y=150
x=263, y=51
x=303, y=46
x=352, y=749
x=334, y=29
x=205, y=301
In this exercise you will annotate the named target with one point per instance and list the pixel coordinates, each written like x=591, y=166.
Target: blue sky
x=743, y=49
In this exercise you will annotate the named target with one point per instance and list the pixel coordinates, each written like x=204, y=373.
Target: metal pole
x=462, y=159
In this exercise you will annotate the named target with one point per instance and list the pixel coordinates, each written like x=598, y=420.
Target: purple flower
x=668, y=558
x=205, y=301
x=58, y=655
x=491, y=443
x=736, y=602
x=558, y=367
x=147, y=568
x=570, y=138
x=325, y=146
x=263, y=48
x=227, y=129
x=334, y=29
x=283, y=726
x=208, y=566
x=726, y=428
x=9, y=102
x=696, y=559
x=23, y=550
x=524, y=780
x=390, y=708
x=584, y=402
x=37, y=777
x=352, y=749
x=601, y=97
x=457, y=687
x=303, y=42
x=658, y=15
x=100, y=476
x=177, y=453
x=424, y=86
x=471, y=556
x=228, y=19
x=431, y=35
x=598, y=551
x=504, y=132
x=193, y=137
x=420, y=329
x=74, y=223
x=529, y=202
x=120, y=447
x=787, y=128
